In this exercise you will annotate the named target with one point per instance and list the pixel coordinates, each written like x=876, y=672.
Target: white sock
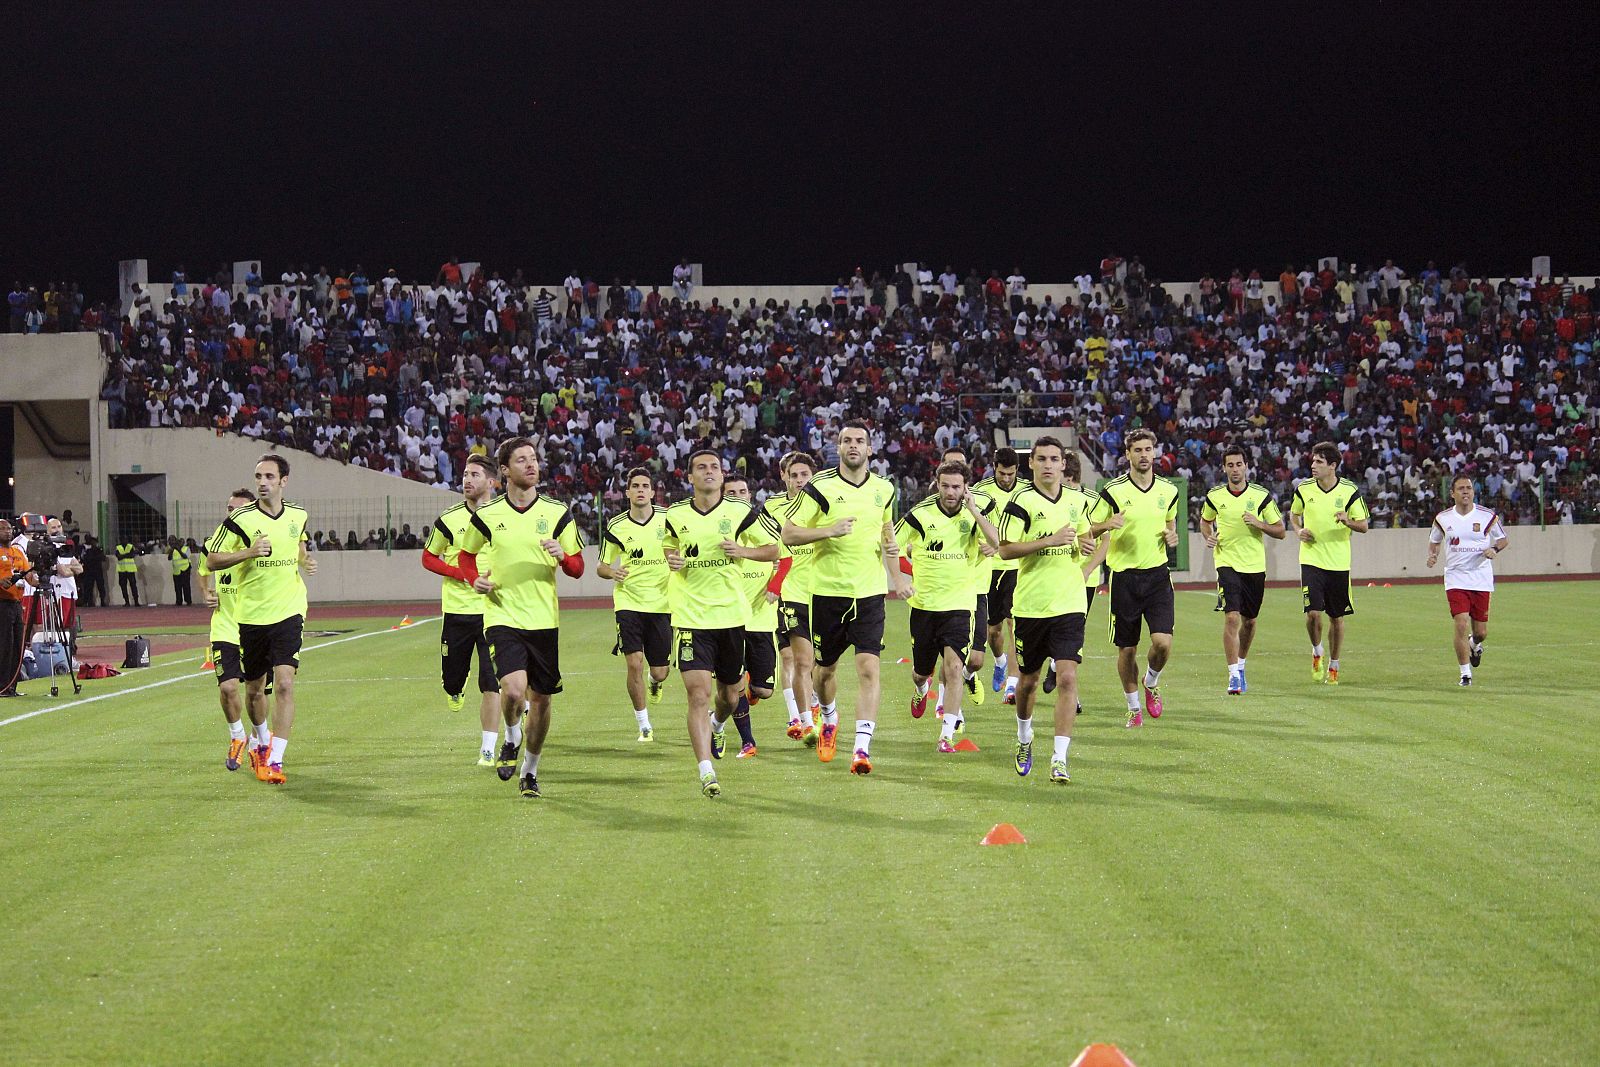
x=514, y=734
x=278, y=745
x=1333, y=664
x=642, y=716
x=718, y=726
x=1061, y=747
x=941, y=695
x=805, y=717
x=530, y=764
x=1241, y=663
x=864, y=729
x=1152, y=678
x=705, y=768
x=1466, y=670
x=968, y=673
x=790, y=703
x=830, y=714
x=1133, y=700
x=1011, y=683
x=1025, y=730
x=1001, y=661
x=947, y=728
x=1234, y=669
x=1316, y=650
x=489, y=738
x=236, y=731
x=922, y=688
x=263, y=735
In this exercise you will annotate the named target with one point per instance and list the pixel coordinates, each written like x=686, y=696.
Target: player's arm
x=908, y=537
x=565, y=546
x=1354, y=515
x=1269, y=522
x=756, y=539
x=1435, y=538
x=1097, y=556
x=231, y=546
x=434, y=548
x=308, y=562
x=1500, y=542
x=1208, y=523
x=1014, y=528
x=799, y=525
x=474, y=540
x=610, y=553
x=1170, y=534
x=1297, y=520
x=991, y=534
x=1105, y=516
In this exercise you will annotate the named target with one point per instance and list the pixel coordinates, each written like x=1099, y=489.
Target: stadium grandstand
x=1420, y=373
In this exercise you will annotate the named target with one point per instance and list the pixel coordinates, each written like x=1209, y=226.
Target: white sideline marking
x=185, y=677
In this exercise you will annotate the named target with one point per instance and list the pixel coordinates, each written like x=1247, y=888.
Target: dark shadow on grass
x=354, y=798
x=1289, y=733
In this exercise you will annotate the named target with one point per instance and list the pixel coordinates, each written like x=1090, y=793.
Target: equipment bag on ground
x=137, y=653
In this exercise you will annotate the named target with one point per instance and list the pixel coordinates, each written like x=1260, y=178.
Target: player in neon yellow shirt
x=1233, y=520
x=219, y=594
x=797, y=657
x=709, y=535
x=461, y=630
x=1325, y=511
x=631, y=555
x=1002, y=487
x=1141, y=513
x=761, y=632
x=525, y=537
x=944, y=541
x=848, y=513
x=264, y=544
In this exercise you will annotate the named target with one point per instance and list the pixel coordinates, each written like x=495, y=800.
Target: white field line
x=184, y=677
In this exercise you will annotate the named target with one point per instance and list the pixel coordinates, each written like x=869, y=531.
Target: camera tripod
x=50, y=623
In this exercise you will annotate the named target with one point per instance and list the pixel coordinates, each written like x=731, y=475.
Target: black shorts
x=226, y=659
x=838, y=622
x=1140, y=595
x=649, y=632
x=794, y=620
x=980, y=624
x=538, y=652
x=1240, y=591
x=1326, y=591
x=262, y=648
x=719, y=651
x=934, y=631
x=1041, y=640
x=760, y=658
x=1002, y=587
x=459, y=637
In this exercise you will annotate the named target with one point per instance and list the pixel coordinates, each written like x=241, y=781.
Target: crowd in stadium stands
x=1417, y=375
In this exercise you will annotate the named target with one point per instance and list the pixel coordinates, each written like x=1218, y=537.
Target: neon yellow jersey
x=1001, y=497
x=1050, y=581
x=224, y=627
x=797, y=583
x=509, y=544
x=1316, y=507
x=852, y=565
x=270, y=588
x=763, y=613
x=638, y=546
x=1141, y=543
x=1239, y=546
x=945, y=551
x=711, y=591
x=444, y=541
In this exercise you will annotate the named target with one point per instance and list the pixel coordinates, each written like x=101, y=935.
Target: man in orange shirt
x=16, y=576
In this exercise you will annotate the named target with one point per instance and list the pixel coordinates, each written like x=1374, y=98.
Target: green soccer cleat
x=719, y=744
x=657, y=691
x=709, y=786
x=529, y=787
x=457, y=701
x=1024, y=758
x=486, y=758
x=646, y=734
x=1058, y=771
x=974, y=690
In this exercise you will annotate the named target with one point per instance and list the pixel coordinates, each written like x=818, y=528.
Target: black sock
x=741, y=720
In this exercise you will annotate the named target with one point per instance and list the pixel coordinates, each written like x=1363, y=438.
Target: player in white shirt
x=1473, y=537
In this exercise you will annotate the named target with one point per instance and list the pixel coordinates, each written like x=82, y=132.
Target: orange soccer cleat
x=795, y=730
x=235, y=750
x=258, y=761
x=275, y=775
x=828, y=743
x=860, y=763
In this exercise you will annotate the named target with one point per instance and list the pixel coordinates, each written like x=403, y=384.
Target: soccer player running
x=1045, y=527
x=1002, y=487
x=848, y=513
x=1325, y=511
x=1093, y=549
x=1473, y=537
x=1234, y=519
x=632, y=556
x=709, y=535
x=980, y=600
x=760, y=633
x=220, y=594
x=263, y=543
x=943, y=541
x=524, y=537
x=1140, y=511
x=462, y=630
x=791, y=583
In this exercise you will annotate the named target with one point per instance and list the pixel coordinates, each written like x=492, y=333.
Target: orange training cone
x=1102, y=1055
x=208, y=665
x=1004, y=834
x=902, y=659
x=966, y=744
x=406, y=621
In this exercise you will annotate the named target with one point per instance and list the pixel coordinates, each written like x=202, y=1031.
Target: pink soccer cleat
x=1152, y=701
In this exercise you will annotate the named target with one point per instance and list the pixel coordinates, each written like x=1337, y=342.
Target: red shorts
x=1474, y=602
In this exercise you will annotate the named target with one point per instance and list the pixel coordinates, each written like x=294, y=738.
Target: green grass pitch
x=1393, y=871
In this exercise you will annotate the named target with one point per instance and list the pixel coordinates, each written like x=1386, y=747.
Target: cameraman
x=16, y=575
x=65, y=579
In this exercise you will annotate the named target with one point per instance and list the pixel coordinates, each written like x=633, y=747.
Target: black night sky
x=787, y=149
